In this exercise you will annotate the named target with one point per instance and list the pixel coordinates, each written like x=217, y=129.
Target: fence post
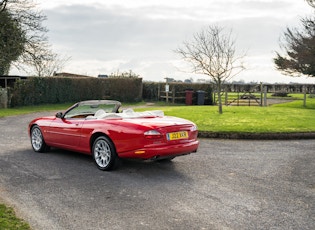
x=265, y=95
x=166, y=91
x=304, y=100
x=238, y=97
x=261, y=94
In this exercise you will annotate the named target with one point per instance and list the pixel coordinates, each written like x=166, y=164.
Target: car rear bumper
x=160, y=152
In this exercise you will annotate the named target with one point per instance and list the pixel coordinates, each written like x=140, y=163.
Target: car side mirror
x=59, y=115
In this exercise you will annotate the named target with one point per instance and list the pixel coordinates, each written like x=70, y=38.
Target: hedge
x=51, y=90
x=39, y=90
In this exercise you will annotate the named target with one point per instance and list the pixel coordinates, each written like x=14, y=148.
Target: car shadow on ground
x=68, y=162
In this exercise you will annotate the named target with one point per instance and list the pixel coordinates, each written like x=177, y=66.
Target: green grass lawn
x=286, y=117
x=246, y=119
x=32, y=109
x=42, y=108
x=8, y=220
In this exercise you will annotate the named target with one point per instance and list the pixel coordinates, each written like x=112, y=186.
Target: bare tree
x=125, y=74
x=212, y=53
x=3, y=4
x=41, y=61
x=311, y=3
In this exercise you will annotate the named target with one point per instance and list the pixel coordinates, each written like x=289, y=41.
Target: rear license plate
x=177, y=135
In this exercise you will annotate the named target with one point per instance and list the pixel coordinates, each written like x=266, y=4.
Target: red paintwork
x=76, y=134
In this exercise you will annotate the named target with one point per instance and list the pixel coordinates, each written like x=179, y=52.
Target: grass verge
x=8, y=220
x=43, y=108
x=32, y=109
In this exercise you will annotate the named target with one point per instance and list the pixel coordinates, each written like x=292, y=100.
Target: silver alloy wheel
x=37, y=139
x=102, y=153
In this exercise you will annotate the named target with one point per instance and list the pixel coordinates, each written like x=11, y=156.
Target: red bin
x=189, y=95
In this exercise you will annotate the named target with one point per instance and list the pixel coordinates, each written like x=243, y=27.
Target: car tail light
x=152, y=134
x=194, y=128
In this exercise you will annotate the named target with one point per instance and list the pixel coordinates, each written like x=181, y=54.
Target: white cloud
x=140, y=35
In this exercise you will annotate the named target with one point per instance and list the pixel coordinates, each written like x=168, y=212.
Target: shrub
x=280, y=94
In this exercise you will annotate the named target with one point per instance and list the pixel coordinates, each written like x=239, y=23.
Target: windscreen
x=91, y=108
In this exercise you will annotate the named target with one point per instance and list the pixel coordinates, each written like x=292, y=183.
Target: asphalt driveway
x=227, y=184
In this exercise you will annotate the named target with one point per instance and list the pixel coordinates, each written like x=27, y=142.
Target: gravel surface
x=227, y=184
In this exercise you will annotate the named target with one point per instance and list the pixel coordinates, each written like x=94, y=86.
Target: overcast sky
x=102, y=37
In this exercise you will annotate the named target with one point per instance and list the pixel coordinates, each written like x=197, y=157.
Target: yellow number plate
x=177, y=135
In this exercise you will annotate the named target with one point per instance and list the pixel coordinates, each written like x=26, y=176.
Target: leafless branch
x=212, y=52
x=311, y=3
x=3, y=5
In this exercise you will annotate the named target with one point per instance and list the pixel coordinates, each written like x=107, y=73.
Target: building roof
x=64, y=74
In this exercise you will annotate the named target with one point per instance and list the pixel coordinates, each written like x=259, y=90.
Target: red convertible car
x=99, y=129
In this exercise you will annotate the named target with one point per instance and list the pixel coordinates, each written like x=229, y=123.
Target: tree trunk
x=219, y=98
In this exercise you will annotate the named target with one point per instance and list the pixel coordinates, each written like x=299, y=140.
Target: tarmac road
x=227, y=184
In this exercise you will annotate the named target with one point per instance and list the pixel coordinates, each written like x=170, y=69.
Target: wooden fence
x=171, y=96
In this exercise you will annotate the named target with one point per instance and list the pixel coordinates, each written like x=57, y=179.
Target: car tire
x=104, y=154
x=37, y=140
